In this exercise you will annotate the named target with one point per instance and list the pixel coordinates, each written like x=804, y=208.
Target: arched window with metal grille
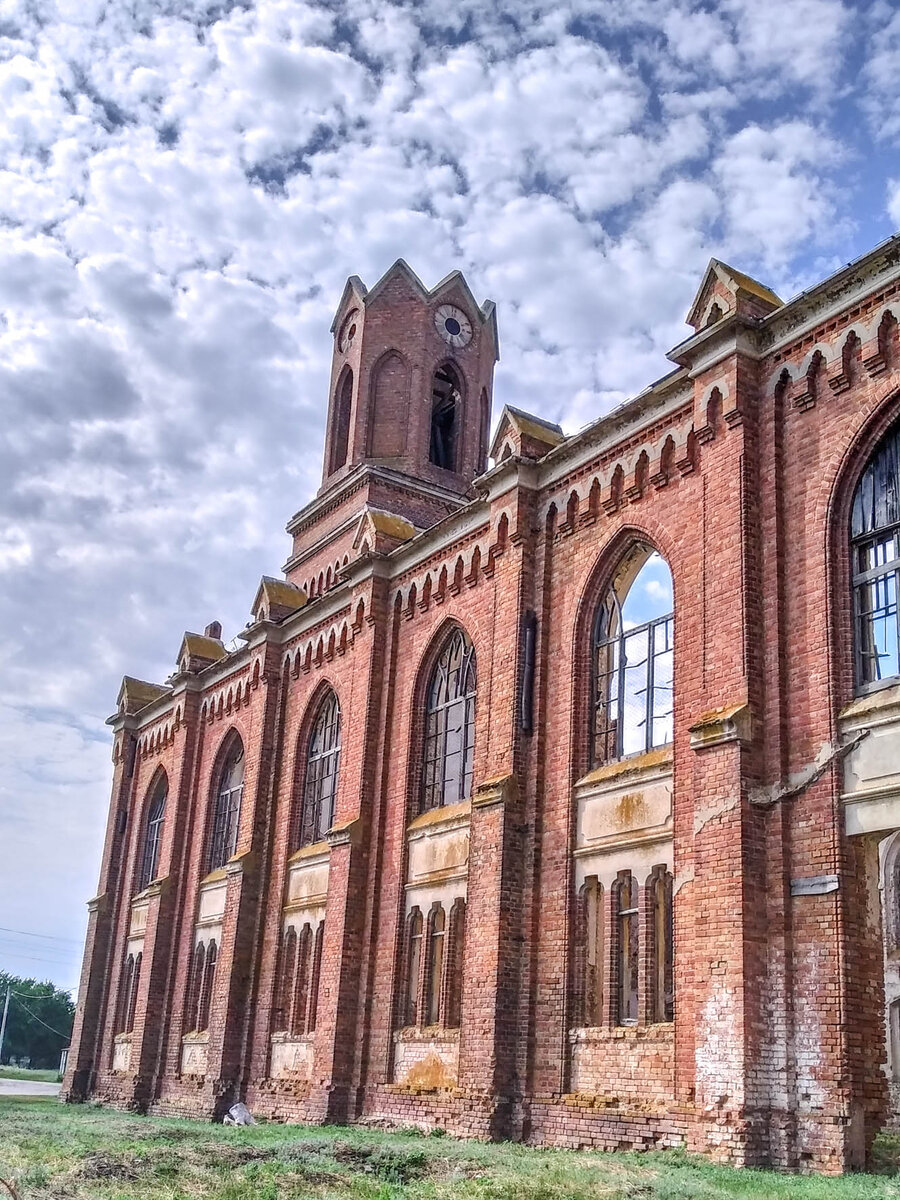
x=323, y=760
x=156, y=814
x=632, y=660
x=227, y=810
x=875, y=555
x=450, y=725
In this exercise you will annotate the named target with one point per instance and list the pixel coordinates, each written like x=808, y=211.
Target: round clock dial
x=453, y=325
x=348, y=332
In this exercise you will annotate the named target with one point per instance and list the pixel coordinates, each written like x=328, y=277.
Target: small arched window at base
x=591, y=952
x=662, y=998
x=627, y=949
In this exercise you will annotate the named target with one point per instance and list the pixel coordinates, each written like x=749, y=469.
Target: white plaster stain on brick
x=718, y=1055
x=772, y=1072
x=808, y=1032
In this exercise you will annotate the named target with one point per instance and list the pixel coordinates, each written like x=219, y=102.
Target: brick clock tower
x=408, y=416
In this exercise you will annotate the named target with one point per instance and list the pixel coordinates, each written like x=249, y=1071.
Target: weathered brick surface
x=741, y=476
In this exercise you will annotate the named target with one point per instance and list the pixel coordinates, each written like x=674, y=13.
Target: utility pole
x=3, y=1021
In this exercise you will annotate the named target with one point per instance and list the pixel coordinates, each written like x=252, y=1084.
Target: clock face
x=348, y=331
x=453, y=325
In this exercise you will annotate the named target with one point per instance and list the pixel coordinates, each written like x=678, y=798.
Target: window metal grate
x=633, y=684
x=153, y=835
x=875, y=549
x=450, y=725
x=323, y=760
x=226, y=819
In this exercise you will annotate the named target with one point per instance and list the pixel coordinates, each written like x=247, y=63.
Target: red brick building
x=542, y=800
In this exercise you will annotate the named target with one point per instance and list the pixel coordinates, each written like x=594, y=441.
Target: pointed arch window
x=227, y=811
x=323, y=760
x=446, y=402
x=434, y=976
x=340, y=433
x=627, y=949
x=632, y=660
x=450, y=725
x=131, y=981
x=591, y=951
x=875, y=556
x=662, y=1000
x=153, y=834
x=207, y=986
x=456, y=959
x=195, y=990
x=414, y=938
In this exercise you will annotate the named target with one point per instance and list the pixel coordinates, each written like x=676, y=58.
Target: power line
x=50, y=937
x=16, y=947
x=34, y=1016
x=31, y=958
x=31, y=995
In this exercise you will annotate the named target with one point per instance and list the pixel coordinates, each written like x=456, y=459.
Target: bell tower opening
x=340, y=440
x=446, y=402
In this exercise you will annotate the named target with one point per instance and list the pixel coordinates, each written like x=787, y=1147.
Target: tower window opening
x=445, y=403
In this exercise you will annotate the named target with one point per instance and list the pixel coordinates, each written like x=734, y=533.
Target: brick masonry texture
x=738, y=467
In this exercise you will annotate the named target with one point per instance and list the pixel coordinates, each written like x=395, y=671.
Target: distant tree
x=39, y=1024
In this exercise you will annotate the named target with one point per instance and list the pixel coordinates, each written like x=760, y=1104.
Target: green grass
x=27, y=1073
x=49, y=1150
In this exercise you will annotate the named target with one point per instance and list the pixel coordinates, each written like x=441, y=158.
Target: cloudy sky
x=185, y=185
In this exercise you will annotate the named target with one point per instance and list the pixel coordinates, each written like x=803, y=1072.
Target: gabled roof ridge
x=353, y=284
x=521, y=412
x=401, y=266
x=716, y=267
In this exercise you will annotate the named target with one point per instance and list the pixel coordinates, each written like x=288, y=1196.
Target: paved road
x=27, y=1087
